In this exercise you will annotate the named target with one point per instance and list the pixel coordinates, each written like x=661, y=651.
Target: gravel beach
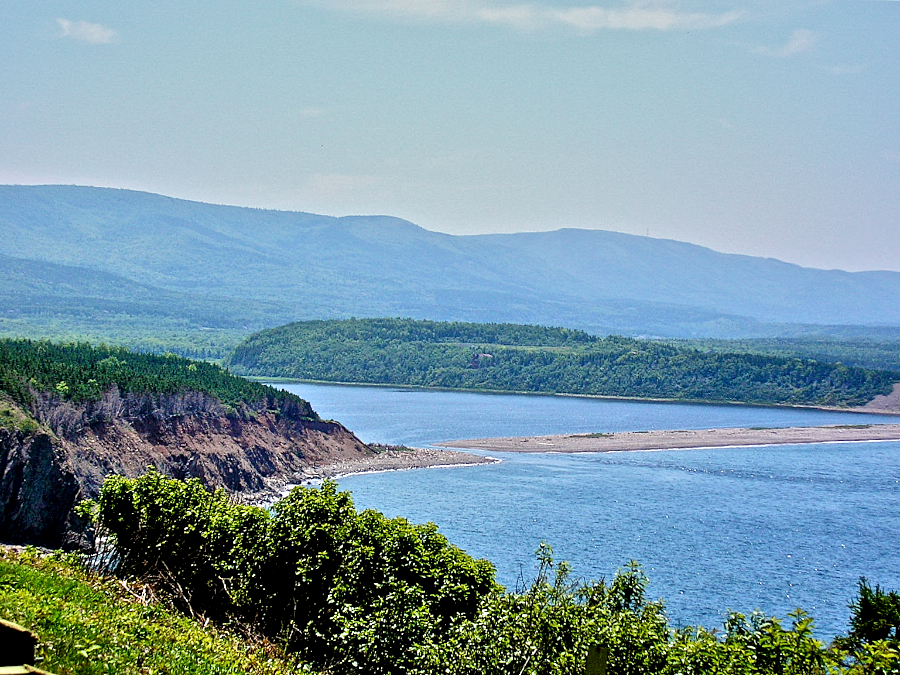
x=667, y=440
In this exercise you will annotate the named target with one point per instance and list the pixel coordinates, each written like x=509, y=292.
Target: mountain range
x=81, y=251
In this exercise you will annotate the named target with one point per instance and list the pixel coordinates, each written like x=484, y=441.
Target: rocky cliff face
x=43, y=474
x=246, y=456
x=37, y=489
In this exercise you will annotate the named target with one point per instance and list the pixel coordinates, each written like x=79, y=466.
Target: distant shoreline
x=681, y=439
x=881, y=405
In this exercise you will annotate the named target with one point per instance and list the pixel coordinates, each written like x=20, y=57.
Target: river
x=769, y=528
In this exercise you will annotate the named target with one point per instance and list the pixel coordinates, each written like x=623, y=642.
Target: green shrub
x=876, y=615
x=550, y=627
x=873, y=644
x=347, y=591
x=198, y=544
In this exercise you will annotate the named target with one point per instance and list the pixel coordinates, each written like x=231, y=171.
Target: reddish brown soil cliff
x=42, y=475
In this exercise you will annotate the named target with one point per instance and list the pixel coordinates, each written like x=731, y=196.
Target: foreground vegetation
x=105, y=381
x=355, y=592
x=509, y=357
x=90, y=625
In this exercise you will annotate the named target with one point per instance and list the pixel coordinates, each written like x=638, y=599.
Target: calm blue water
x=773, y=528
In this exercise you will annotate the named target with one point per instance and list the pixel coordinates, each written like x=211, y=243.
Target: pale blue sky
x=751, y=126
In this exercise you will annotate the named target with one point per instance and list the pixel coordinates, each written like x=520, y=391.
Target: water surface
x=772, y=527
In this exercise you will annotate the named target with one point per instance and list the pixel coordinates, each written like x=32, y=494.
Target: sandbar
x=393, y=460
x=682, y=439
x=340, y=466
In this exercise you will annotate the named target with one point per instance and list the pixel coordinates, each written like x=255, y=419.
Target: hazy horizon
x=755, y=127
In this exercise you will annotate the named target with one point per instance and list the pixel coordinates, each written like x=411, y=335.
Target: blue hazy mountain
x=264, y=267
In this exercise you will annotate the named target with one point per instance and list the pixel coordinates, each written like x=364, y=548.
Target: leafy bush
x=552, y=626
x=355, y=592
x=200, y=545
x=876, y=615
x=873, y=644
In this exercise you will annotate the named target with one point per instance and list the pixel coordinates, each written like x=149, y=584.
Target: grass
x=14, y=418
x=87, y=624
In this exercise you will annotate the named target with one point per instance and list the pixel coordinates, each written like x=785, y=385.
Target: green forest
x=512, y=357
x=83, y=373
x=880, y=354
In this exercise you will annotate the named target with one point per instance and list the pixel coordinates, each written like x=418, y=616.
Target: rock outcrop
x=248, y=456
x=37, y=489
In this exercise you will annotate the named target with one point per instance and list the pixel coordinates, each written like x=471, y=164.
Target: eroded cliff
x=38, y=488
x=45, y=470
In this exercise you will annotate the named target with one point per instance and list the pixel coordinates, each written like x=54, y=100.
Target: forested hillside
x=507, y=357
x=883, y=354
x=35, y=374
x=71, y=303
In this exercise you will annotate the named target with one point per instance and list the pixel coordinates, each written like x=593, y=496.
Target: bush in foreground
x=347, y=591
x=355, y=592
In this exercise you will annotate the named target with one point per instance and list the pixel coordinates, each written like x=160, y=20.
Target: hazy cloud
x=801, y=40
x=643, y=17
x=84, y=31
x=636, y=15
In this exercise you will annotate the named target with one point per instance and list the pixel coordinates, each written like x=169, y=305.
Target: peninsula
x=682, y=439
x=72, y=414
x=516, y=358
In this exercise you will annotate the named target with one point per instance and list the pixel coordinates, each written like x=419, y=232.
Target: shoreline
x=396, y=460
x=389, y=460
x=681, y=439
x=883, y=404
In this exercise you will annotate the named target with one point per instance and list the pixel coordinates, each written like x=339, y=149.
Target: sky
x=768, y=128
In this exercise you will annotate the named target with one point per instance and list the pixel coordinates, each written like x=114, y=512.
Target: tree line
x=508, y=357
x=880, y=354
x=49, y=379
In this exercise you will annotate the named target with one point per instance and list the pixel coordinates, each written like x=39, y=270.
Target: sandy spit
x=677, y=439
x=337, y=467
x=395, y=460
